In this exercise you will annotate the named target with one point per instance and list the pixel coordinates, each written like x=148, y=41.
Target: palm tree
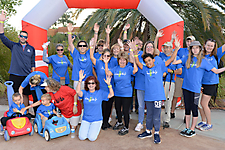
x=202, y=19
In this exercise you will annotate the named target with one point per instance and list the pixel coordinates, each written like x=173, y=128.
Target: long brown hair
x=191, y=55
x=144, y=49
x=214, y=51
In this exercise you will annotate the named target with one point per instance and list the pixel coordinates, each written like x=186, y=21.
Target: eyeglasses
x=149, y=46
x=107, y=55
x=81, y=45
x=59, y=49
x=100, y=45
x=91, y=83
x=23, y=36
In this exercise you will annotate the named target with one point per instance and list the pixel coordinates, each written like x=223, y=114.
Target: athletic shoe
x=42, y=130
x=172, y=115
x=190, y=133
x=110, y=119
x=157, y=139
x=109, y=126
x=145, y=135
x=183, y=132
x=199, y=125
x=118, y=126
x=166, y=125
x=206, y=127
x=123, y=131
x=138, y=127
x=2, y=132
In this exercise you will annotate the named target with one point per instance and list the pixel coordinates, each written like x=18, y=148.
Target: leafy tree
x=64, y=20
x=8, y=6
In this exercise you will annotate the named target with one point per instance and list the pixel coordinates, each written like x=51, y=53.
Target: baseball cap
x=126, y=42
x=168, y=44
x=191, y=37
x=196, y=43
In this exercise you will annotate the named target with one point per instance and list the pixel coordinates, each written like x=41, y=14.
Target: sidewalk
x=110, y=140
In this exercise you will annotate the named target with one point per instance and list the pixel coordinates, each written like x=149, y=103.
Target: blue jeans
x=153, y=115
x=141, y=105
x=89, y=130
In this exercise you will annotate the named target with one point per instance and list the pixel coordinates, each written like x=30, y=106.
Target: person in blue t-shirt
x=100, y=71
x=92, y=99
x=210, y=82
x=154, y=92
x=46, y=110
x=179, y=78
x=15, y=108
x=34, y=79
x=60, y=64
x=123, y=89
x=195, y=66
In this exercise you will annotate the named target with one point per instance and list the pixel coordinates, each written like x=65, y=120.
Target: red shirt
x=64, y=100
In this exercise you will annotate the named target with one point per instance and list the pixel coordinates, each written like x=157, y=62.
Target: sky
x=27, y=5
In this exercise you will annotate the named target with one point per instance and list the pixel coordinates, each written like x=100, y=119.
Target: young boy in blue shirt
x=46, y=109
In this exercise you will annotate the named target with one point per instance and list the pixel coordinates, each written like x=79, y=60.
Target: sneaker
x=138, y=127
x=42, y=130
x=2, y=133
x=183, y=132
x=145, y=135
x=118, y=126
x=109, y=126
x=157, y=139
x=166, y=125
x=123, y=131
x=199, y=125
x=172, y=115
x=190, y=133
x=206, y=127
x=110, y=119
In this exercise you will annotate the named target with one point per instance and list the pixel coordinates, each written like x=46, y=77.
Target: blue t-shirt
x=210, y=77
x=26, y=80
x=139, y=77
x=154, y=90
x=122, y=80
x=182, y=52
x=170, y=66
x=46, y=110
x=97, y=55
x=81, y=62
x=100, y=71
x=114, y=61
x=93, y=105
x=193, y=76
x=14, y=105
x=60, y=65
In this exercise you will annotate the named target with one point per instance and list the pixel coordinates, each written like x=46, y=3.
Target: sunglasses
x=59, y=49
x=107, y=55
x=91, y=83
x=100, y=45
x=23, y=36
x=81, y=45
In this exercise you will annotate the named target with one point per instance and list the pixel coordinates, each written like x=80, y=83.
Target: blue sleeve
x=142, y=70
x=26, y=80
x=104, y=95
x=39, y=109
x=206, y=65
x=184, y=59
x=53, y=106
x=74, y=54
x=6, y=41
x=164, y=68
x=10, y=112
x=23, y=106
x=84, y=92
x=220, y=53
x=33, y=59
x=68, y=61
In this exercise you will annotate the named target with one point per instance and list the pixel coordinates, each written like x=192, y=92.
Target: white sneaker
x=110, y=119
x=138, y=127
x=1, y=133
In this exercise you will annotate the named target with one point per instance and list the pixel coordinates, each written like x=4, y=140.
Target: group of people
x=102, y=75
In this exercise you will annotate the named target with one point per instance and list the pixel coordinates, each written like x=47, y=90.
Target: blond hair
x=114, y=46
x=47, y=96
x=53, y=84
x=17, y=94
x=36, y=79
x=124, y=55
x=190, y=58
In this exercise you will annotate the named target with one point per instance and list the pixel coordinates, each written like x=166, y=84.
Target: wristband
x=91, y=47
x=1, y=21
x=125, y=31
x=69, y=32
x=172, y=71
x=136, y=45
x=75, y=103
x=109, y=86
x=18, y=111
x=80, y=81
x=135, y=55
x=131, y=50
x=96, y=32
x=31, y=105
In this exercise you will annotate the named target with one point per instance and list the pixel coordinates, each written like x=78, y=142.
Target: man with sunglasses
x=22, y=59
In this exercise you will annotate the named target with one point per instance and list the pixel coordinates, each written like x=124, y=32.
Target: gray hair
x=59, y=44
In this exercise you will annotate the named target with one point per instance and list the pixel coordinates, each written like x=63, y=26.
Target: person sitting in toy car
x=46, y=110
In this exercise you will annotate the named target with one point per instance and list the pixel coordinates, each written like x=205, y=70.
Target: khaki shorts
x=178, y=87
x=74, y=120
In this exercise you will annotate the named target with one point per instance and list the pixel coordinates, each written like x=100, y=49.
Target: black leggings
x=4, y=119
x=191, y=102
x=33, y=93
x=106, y=111
x=125, y=103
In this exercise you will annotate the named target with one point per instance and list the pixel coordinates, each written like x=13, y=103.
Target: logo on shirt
x=59, y=100
x=103, y=68
x=193, y=64
x=28, y=50
x=90, y=99
x=61, y=62
x=150, y=73
x=120, y=74
x=49, y=112
x=210, y=59
x=83, y=59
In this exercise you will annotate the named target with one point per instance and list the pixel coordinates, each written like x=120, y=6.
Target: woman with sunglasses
x=59, y=62
x=210, y=82
x=100, y=71
x=123, y=89
x=92, y=97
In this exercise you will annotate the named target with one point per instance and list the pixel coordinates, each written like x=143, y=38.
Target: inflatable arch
x=46, y=12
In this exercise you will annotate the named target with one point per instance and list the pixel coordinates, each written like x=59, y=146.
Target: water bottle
x=72, y=132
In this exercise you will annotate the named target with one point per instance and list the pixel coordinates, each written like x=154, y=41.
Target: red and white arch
x=46, y=12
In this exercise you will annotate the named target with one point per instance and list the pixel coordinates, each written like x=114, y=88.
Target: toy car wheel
x=1, y=127
x=47, y=135
x=32, y=132
x=35, y=128
x=6, y=136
